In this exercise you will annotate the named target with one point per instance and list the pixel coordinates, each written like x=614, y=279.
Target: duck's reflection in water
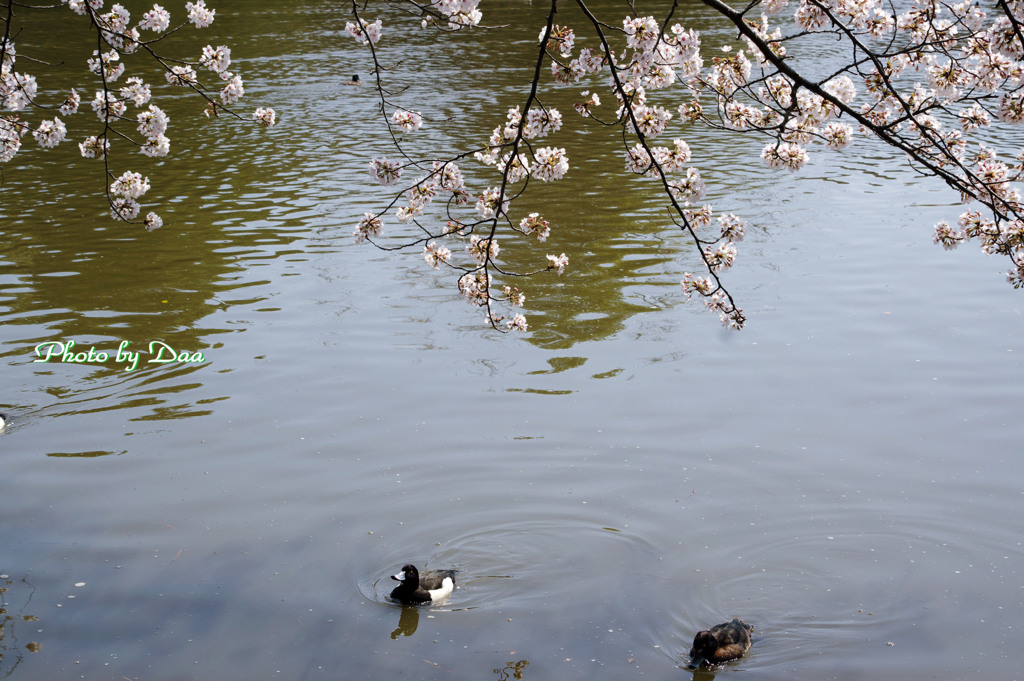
x=703, y=675
x=407, y=622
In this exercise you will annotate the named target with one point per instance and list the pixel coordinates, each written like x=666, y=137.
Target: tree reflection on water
x=11, y=653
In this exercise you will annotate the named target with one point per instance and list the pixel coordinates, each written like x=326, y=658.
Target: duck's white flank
x=447, y=587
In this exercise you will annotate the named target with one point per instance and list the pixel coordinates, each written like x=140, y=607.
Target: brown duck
x=721, y=643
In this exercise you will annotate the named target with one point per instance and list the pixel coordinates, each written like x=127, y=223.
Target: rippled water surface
x=844, y=474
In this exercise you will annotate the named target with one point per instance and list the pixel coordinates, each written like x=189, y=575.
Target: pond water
x=844, y=474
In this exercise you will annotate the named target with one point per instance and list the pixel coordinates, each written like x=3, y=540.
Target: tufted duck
x=721, y=643
x=422, y=587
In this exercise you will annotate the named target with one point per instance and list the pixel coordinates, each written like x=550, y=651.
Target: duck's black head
x=704, y=644
x=408, y=575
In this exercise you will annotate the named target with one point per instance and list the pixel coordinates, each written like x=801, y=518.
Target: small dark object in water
x=422, y=587
x=721, y=643
x=354, y=81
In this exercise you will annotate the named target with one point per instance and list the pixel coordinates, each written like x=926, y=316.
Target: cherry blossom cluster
x=454, y=14
x=364, y=32
x=119, y=101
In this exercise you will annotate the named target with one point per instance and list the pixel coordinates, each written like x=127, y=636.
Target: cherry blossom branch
x=509, y=149
x=717, y=295
x=116, y=38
